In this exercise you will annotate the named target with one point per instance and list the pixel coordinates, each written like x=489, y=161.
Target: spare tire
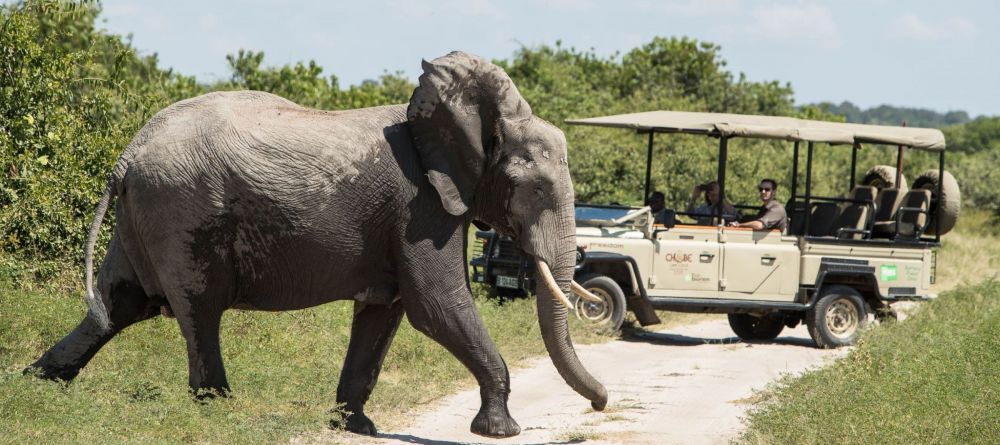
x=883, y=176
x=950, y=200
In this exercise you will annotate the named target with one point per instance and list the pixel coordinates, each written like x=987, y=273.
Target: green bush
x=69, y=102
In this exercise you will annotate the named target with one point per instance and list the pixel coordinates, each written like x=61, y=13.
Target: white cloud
x=462, y=8
x=687, y=8
x=702, y=7
x=910, y=26
x=569, y=5
x=207, y=22
x=121, y=10
x=799, y=22
x=478, y=8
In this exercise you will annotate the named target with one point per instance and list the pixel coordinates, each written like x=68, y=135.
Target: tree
x=70, y=99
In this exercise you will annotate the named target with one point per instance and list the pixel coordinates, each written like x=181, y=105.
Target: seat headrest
x=863, y=192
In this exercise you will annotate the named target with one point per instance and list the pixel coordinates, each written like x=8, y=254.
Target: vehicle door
x=759, y=264
x=686, y=262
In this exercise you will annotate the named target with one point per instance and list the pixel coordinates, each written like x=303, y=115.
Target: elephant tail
x=97, y=309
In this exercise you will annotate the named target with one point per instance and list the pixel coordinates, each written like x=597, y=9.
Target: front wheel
x=606, y=315
x=837, y=317
x=749, y=327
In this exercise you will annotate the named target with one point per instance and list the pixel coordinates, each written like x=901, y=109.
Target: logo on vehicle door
x=679, y=257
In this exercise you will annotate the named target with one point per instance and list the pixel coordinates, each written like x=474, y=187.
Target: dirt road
x=687, y=385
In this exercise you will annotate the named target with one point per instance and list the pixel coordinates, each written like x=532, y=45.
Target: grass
x=971, y=252
x=283, y=368
x=934, y=378
x=582, y=435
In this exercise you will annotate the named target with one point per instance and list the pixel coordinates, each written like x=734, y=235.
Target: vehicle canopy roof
x=770, y=127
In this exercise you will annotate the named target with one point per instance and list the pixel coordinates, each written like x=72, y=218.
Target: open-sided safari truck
x=841, y=258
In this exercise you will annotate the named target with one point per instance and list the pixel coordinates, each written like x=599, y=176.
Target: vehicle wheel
x=608, y=315
x=749, y=327
x=950, y=200
x=883, y=176
x=837, y=317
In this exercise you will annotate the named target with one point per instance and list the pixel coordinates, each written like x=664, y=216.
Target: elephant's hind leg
x=372, y=332
x=199, y=320
x=127, y=304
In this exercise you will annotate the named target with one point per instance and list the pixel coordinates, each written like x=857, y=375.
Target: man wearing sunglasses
x=771, y=215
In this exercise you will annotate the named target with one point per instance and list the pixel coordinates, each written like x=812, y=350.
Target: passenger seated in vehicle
x=771, y=214
x=655, y=202
x=704, y=214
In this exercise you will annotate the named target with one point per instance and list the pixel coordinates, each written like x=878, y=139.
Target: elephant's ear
x=454, y=117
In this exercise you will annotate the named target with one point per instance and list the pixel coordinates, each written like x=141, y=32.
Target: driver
x=655, y=202
x=771, y=214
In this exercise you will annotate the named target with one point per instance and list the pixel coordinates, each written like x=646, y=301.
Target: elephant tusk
x=551, y=283
x=584, y=293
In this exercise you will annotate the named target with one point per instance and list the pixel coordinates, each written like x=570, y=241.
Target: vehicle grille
x=505, y=250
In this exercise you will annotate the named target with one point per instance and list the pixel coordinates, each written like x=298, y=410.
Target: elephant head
x=490, y=159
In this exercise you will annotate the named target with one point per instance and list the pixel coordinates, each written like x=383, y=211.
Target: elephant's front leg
x=372, y=332
x=451, y=319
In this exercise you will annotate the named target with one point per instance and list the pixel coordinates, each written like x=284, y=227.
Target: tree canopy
x=72, y=96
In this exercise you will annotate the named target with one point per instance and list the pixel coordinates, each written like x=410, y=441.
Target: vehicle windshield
x=585, y=212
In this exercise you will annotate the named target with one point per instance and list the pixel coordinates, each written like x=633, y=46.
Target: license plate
x=508, y=282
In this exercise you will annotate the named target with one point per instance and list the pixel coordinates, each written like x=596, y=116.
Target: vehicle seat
x=912, y=216
x=886, y=202
x=855, y=217
x=796, y=217
x=822, y=217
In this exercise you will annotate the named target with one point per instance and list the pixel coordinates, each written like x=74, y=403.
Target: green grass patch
x=934, y=378
x=283, y=368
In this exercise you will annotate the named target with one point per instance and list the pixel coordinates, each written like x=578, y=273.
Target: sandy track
x=687, y=385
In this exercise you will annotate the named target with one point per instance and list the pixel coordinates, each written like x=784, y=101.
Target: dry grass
x=970, y=253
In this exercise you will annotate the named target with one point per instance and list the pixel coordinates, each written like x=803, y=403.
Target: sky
x=941, y=55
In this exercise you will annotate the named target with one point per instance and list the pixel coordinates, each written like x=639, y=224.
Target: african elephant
x=246, y=200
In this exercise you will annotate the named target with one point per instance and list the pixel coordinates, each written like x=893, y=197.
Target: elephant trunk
x=553, y=322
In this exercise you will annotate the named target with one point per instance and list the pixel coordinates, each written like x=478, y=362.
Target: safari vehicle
x=840, y=260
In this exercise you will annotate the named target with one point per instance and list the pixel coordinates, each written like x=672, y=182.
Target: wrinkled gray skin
x=246, y=200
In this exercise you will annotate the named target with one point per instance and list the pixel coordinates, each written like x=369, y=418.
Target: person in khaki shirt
x=771, y=214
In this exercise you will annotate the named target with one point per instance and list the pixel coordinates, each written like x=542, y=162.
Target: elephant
x=246, y=200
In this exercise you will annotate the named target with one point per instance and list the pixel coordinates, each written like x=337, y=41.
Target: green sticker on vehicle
x=888, y=272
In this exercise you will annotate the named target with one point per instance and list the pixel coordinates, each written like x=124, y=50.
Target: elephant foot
x=53, y=373
x=495, y=421
x=205, y=395
x=357, y=423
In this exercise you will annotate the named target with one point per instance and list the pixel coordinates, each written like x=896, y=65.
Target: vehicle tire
x=883, y=176
x=607, y=317
x=950, y=200
x=837, y=317
x=751, y=328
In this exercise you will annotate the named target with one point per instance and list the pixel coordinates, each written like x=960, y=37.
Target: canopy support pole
x=940, y=189
x=795, y=172
x=809, y=173
x=649, y=166
x=899, y=167
x=723, y=149
x=854, y=167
